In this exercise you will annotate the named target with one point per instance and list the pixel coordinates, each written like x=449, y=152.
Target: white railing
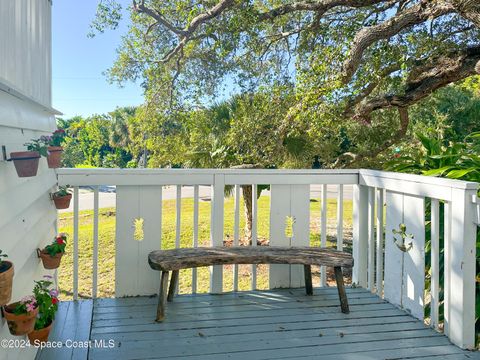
x=381, y=202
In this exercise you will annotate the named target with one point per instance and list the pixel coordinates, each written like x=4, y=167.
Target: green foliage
x=246, y=129
x=441, y=158
x=2, y=255
x=47, y=303
x=62, y=191
x=37, y=145
x=108, y=15
x=241, y=49
x=26, y=305
x=57, y=246
x=57, y=137
x=100, y=140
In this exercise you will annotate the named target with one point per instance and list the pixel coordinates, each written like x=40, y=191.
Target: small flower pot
x=50, y=262
x=6, y=280
x=19, y=324
x=54, y=158
x=62, y=202
x=37, y=337
x=26, y=162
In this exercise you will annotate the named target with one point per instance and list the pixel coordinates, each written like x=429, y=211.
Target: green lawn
x=106, y=261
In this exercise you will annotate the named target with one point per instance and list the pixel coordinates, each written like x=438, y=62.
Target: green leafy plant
x=47, y=302
x=62, y=191
x=37, y=145
x=56, y=139
x=26, y=305
x=2, y=255
x=57, y=246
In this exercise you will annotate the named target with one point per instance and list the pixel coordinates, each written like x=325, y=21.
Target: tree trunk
x=247, y=200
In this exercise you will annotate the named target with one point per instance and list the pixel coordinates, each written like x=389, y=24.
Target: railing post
x=360, y=235
x=216, y=230
x=460, y=255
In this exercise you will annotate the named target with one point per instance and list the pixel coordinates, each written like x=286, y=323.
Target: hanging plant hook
x=402, y=244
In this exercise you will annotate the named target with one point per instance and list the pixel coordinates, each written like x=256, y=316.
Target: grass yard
x=106, y=260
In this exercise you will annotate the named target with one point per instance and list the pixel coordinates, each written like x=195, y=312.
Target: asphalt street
x=107, y=195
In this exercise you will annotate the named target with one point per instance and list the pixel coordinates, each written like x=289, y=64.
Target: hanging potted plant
x=6, y=279
x=62, y=197
x=26, y=162
x=47, y=302
x=21, y=315
x=52, y=254
x=54, y=148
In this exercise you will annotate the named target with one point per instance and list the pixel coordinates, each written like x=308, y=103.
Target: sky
x=79, y=88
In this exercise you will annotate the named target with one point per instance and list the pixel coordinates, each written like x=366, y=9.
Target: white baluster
x=323, y=233
x=236, y=233
x=195, y=234
x=371, y=239
x=254, y=232
x=75, y=242
x=95, y=243
x=434, y=267
x=340, y=218
x=379, y=201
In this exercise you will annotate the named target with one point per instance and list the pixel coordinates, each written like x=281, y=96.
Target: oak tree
x=356, y=62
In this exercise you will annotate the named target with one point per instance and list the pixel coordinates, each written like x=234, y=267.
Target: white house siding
x=25, y=47
x=27, y=216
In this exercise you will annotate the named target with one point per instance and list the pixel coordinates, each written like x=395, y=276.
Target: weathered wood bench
x=174, y=260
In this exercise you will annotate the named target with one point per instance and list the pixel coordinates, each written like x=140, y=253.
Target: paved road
x=107, y=195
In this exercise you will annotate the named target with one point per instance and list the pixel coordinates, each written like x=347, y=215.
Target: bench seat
x=177, y=259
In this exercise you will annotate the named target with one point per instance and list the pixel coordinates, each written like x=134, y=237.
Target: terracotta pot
x=54, y=158
x=19, y=324
x=37, y=337
x=62, y=202
x=26, y=162
x=6, y=279
x=50, y=262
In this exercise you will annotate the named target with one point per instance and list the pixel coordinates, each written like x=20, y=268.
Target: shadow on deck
x=279, y=324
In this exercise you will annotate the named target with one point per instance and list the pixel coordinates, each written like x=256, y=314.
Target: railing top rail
x=78, y=177
x=408, y=183
x=116, y=171
x=420, y=179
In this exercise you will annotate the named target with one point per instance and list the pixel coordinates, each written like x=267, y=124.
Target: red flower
x=54, y=301
x=60, y=241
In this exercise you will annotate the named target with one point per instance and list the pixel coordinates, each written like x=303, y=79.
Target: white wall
x=27, y=216
x=25, y=47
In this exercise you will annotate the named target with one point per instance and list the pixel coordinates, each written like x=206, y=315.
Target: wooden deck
x=282, y=324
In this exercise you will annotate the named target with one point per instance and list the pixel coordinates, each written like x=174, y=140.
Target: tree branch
x=355, y=100
x=414, y=15
x=142, y=9
x=468, y=9
x=424, y=79
x=348, y=159
x=317, y=6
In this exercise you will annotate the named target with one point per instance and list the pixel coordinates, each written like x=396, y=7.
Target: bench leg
x=307, y=270
x=162, y=297
x=173, y=285
x=341, y=290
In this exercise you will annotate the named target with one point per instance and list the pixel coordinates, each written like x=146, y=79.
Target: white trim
x=367, y=175
x=8, y=88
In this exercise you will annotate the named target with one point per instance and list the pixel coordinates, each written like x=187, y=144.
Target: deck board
x=72, y=323
x=280, y=324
